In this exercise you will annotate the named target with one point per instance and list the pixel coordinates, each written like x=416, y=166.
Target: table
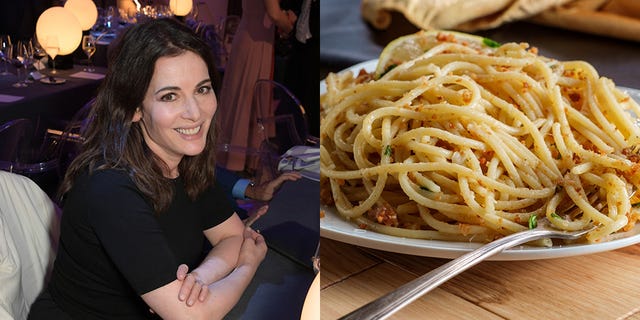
x=291, y=230
x=47, y=104
x=597, y=286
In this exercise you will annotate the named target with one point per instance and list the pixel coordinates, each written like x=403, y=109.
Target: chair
x=19, y=154
x=46, y=161
x=29, y=231
x=15, y=139
x=282, y=123
x=282, y=119
x=65, y=144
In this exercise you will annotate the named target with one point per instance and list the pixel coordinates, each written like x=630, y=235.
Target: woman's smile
x=189, y=131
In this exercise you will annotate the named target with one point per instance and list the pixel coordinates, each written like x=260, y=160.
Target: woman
x=140, y=195
x=251, y=59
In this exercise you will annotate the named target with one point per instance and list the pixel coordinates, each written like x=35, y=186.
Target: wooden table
x=597, y=286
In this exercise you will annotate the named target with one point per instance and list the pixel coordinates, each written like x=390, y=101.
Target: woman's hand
x=253, y=249
x=286, y=25
x=292, y=17
x=193, y=288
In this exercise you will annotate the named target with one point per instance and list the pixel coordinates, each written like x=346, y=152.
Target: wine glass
x=29, y=59
x=37, y=54
x=17, y=57
x=89, y=48
x=52, y=47
x=5, y=47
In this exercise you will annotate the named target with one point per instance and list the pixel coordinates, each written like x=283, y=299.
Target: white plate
x=51, y=80
x=333, y=226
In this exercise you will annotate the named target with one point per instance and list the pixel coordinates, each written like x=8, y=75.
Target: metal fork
x=388, y=304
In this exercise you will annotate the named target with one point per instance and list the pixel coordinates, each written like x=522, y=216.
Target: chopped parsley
x=490, y=43
x=555, y=215
x=533, y=221
x=389, y=68
x=387, y=150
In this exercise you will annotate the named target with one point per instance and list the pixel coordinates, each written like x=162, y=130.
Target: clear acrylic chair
x=15, y=139
x=20, y=155
x=64, y=143
x=282, y=123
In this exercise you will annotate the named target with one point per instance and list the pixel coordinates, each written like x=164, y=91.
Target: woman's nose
x=192, y=109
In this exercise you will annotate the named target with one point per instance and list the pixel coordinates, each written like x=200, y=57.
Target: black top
x=114, y=248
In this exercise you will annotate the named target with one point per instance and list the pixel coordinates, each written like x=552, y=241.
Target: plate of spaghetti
x=450, y=140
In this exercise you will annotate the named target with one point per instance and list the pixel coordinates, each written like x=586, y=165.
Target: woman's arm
x=283, y=19
x=226, y=239
x=224, y=294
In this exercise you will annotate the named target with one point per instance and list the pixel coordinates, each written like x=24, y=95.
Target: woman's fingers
x=193, y=289
x=204, y=293
x=254, y=248
x=182, y=271
x=196, y=290
x=261, y=212
x=187, y=286
x=248, y=233
x=259, y=239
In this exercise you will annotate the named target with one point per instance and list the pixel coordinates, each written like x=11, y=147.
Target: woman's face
x=178, y=108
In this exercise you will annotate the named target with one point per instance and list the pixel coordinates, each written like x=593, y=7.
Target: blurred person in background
x=300, y=59
x=251, y=58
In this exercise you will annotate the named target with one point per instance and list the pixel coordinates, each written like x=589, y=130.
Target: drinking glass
x=17, y=58
x=38, y=53
x=5, y=47
x=52, y=47
x=89, y=48
x=29, y=59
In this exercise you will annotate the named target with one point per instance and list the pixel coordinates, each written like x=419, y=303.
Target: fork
x=388, y=304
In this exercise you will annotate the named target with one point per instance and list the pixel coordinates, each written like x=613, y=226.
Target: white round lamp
x=84, y=10
x=62, y=23
x=181, y=7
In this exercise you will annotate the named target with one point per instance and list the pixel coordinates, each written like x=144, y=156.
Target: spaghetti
x=468, y=142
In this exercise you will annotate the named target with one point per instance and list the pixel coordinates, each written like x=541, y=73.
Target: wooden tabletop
x=596, y=286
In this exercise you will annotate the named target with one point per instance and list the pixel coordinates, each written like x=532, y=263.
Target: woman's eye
x=168, y=97
x=204, y=89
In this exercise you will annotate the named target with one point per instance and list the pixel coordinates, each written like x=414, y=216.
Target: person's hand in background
x=265, y=191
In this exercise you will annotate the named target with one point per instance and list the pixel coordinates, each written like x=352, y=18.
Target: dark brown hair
x=114, y=141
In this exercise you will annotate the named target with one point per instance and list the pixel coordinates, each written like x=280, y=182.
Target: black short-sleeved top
x=114, y=248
